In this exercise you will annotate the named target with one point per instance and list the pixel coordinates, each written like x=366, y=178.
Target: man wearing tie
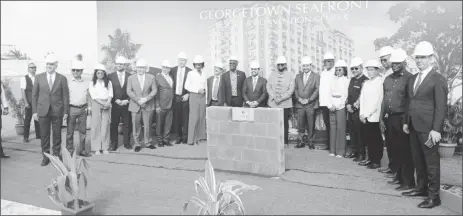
x=50, y=105
x=255, y=88
x=164, y=99
x=215, y=92
x=120, y=104
x=306, y=91
x=233, y=84
x=424, y=119
x=141, y=88
x=180, y=105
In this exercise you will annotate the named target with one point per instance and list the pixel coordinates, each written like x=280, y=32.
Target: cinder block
x=256, y=156
x=242, y=166
x=267, y=115
x=217, y=139
x=267, y=170
x=275, y=130
x=218, y=113
x=254, y=129
x=230, y=127
x=242, y=141
x=212, y=126
x=230, y=153
x=212, y=152
x=267, y=143
x=222, y=164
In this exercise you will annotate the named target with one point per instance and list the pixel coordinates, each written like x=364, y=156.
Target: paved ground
x=160, y=181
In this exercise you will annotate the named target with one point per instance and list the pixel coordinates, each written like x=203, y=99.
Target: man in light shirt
x=215, y=90
x=141, y=88
x=78, y=109
x=164, y=99
x=3, y=111
x=27, y=83
x=370, y=102
x=180, y=103
x=325, y=90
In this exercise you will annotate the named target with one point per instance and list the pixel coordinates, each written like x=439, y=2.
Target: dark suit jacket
x=228, y=89
x=220, y=94
x=259, y=94
x=428, y=107
x=119, y=92
x=173, y=72
x=165, y=93
x=308, y=90
x=57, y=98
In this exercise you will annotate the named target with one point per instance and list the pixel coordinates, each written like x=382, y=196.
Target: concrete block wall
x=252, y=147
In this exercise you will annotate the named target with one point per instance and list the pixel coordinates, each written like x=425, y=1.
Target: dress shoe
x=166, y=143
x=429, y=203
x=351, y=155
x=85, y=154
x=137, y=149
x=178, y=141
x=311, y=146
x=300, y=145
x=373, y=166
x=394, y=181
x=129, y=147
x=359, y=158
x=152, y=147
x=160, y=144
x=45, y=161
x=392, y=175
x=191, y=144
x=404, y=187
x=365, y=163
x=415, y=193
x=384, y=170
x=25, y=140
x=4, y=156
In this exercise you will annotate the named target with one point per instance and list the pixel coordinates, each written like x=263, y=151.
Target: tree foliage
x=439, y=23
x=120, y=44
x=16, y=54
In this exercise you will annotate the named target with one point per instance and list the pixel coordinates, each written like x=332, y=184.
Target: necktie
x=418, y=82
x=254, y=82
x=306, y=77
x=121, y=81
x=216, y=88
x=50, y=82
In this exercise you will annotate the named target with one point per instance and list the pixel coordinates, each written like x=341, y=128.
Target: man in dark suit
x=164, y=98
x=427, y=108
x=180, y=104
x=255, y=88
x=50, y=105
x=120, y=105
x=215, y=90
x=306, y=91
x=233, y=84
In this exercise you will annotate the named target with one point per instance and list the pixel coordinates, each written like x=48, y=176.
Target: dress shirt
x=339, y=91
x=325, y=87
x=77, y=92
x=254, y=82
x=395, y=92
x=234, y=82
x=141, y=79
x=3, y=98
x=23, y=83
x=195, y=81
x=180, y=77
x=99, y=91
x=306, y=77
x=371, y=99
x=215, y=87
x=121, y=77
x=168, y=79
x=53, y=76
x=424, y=73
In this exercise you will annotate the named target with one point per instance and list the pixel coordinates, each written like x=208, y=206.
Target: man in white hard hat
x=181, y=107
x=306, y=95
x=3, y=111
x=325, y=90
x=78, y=109
x=280, y=88
x=233, y=84
x=391, y=120
x=370, y=101
x=50, y=105
x=355, y=126
x=384, y=57
x=196, y=84
x=215, y=91
x=164, y=100
x=27, y=83
x=141, y=89
x=254, y=88
x=427, y=108
x=120, y=105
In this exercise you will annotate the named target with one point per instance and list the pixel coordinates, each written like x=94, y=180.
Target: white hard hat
x=328, y=56
x=423, y=48
x=306, y=60
x=121, y=60
x=387, y=50
x=340, y=63
x=399, y=55
x=166, y=63
x=51, y=58
x=182, y=55
x=255, y=65
x=141, y=63
x=355, y=62
x=198, y=59
x=79, y=65
x=281, y=60
x=218, y=64
x=372, y=63
x=99, y=66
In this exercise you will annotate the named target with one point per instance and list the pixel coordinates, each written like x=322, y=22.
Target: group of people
x=408, y=109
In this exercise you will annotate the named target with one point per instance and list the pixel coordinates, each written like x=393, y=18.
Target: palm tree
x=120, y=44
x=16, y=54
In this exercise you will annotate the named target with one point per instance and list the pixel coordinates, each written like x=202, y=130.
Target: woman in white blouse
x=339, y=92
x=196, y=84
x=101, y=92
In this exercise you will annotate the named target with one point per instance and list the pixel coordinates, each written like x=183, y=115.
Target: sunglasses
x=32, y=67
x=383, y=60
x=76, y=70
x=354, y=68
x=280, y=65
x=341, y=70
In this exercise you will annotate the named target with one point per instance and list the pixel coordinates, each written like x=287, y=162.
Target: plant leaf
x=63, y=194
x=73, y=184
x=237, y=199
x=57, y=163
x=210, y=178
x=68, y=160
